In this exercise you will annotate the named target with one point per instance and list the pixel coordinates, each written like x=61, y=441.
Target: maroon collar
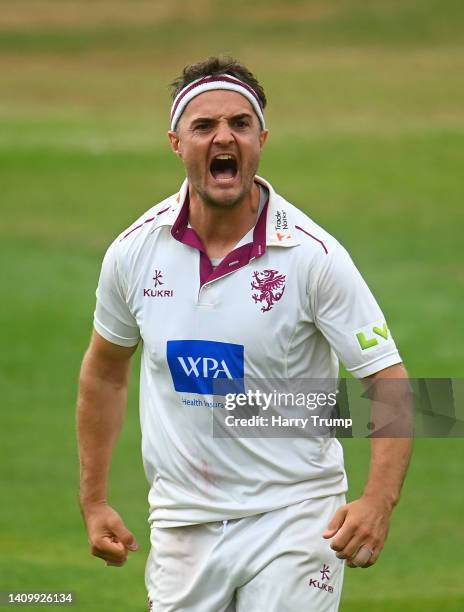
x=236, y=259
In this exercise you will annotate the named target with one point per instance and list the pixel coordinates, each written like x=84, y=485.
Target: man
x=222, y=281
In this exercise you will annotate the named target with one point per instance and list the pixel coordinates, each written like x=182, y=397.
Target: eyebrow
x=212, y=119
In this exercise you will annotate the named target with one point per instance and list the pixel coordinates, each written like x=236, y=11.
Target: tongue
x=223, y=173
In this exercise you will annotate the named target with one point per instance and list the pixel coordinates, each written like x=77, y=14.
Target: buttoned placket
x=207, y=295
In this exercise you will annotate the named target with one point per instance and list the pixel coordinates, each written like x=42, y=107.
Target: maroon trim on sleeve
x=137, y=227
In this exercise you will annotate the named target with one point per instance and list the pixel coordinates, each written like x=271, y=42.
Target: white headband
x=222, y=81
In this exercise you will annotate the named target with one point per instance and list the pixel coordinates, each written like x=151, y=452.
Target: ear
x=263, y=137
x=175, y=143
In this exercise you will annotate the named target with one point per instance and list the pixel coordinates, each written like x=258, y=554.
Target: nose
x=223, y=135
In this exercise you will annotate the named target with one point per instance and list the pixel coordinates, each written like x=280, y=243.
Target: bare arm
x=100, y=412
x=390, y=455
x=362, y=526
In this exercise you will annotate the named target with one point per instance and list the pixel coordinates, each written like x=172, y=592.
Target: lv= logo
x=366, y=343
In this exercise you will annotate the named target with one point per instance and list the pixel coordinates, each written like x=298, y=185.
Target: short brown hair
x=213, y=66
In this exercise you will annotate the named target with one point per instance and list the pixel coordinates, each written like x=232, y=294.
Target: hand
x=109, y=538
x=362, y=523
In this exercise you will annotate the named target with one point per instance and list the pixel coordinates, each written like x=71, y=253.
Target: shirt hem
x=238, y=514
x=376, y=365
x=114, y=338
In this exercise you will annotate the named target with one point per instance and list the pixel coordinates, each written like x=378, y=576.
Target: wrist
x=387, y=499
x=87, y=504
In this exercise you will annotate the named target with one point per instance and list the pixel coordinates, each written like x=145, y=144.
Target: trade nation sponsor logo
x=157, y=292
x=270, y=287
x=281, y=220
x=281, y=225
x=206, y=367
x=320, y=584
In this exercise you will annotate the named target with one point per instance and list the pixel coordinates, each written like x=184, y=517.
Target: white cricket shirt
x=288, y=304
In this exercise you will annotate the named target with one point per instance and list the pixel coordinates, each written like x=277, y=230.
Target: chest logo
x=157, y=278
x=270, y=287
x=158, y=291
x=205, y=366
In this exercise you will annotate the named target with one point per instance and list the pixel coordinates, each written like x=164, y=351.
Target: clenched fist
x=109, y=538
x=359, y=531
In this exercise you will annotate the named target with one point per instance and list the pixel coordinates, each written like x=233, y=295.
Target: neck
x=220, y=228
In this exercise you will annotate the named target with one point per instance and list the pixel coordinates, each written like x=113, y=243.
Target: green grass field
x=366, y=112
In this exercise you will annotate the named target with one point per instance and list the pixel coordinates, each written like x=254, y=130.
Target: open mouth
x=223, y=167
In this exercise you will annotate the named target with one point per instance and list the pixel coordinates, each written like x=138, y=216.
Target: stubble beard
x=216, y=204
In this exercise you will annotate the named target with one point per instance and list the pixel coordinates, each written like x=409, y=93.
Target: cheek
x=194, y=155
x=194, y=163
x=253, y=146
x=254, y=153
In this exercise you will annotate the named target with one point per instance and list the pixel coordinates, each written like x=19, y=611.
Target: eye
x=241, y=123
x=203, y=126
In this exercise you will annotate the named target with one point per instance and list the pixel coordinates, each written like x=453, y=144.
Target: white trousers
x=271, y=562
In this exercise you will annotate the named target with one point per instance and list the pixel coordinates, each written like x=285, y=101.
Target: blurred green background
x=366, y=112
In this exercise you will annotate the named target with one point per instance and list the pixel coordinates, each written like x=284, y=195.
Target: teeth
x=224, y=157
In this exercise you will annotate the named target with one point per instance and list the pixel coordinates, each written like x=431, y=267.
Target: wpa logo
x=198, y=366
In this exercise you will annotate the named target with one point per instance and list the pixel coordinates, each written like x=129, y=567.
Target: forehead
x=217, y=103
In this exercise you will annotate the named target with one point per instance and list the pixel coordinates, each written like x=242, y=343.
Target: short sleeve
x=113, y=319
x=349, y=317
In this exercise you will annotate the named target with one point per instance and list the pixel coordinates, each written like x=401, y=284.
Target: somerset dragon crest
x=270, y=286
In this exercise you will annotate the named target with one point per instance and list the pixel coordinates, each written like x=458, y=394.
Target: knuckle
x=350, y=554
x=99, y=555
x=115, y=560
x=114, y=523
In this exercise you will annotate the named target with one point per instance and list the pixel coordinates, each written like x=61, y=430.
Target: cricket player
x=222, y=281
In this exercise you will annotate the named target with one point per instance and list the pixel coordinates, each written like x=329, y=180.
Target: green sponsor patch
x=381, y=331
x=366, y=343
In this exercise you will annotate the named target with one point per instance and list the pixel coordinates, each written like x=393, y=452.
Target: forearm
x=391, y=441
x=361, y=527
x=389, y=463
x=100, y=413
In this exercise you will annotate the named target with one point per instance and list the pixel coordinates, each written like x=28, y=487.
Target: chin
x=223, y=198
